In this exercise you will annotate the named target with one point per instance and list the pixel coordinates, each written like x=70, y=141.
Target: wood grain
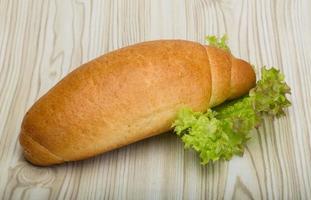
x=41, y=41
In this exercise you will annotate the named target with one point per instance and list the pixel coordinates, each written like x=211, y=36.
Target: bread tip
x=35, y=153
x=243, y=78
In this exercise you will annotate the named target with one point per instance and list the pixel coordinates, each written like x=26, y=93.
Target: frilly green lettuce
x=269, y=96
x=222, y=132
x=215, y=41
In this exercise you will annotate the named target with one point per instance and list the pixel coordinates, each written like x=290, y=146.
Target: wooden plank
x=41, y=41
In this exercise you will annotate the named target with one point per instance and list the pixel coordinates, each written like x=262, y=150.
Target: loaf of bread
x=127, y=95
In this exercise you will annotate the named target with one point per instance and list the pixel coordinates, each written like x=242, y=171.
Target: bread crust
x=117, y=99
x=36, y=153
x=220, y=62
x=243, y=78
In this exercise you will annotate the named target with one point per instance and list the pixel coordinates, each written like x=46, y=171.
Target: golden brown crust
x=119, y=98
x=125, y=96
x=220, y=62
x=243, y=78
x=36, y=153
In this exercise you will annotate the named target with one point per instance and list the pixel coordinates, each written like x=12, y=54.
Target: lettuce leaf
x=222, y=132
x=269, y=96
x=221, y=43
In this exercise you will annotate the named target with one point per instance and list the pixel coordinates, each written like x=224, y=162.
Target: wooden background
x=41, y=41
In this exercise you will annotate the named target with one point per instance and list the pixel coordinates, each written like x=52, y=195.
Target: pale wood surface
x=41, y=41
